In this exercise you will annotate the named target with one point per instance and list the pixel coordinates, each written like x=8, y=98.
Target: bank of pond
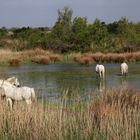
x=43, y=57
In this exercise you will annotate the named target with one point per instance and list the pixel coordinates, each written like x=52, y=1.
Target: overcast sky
x=43, y=13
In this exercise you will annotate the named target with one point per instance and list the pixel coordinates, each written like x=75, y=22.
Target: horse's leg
x=100, y=74
x=29, y=101
x=10, y=103
x=97, y=75
x=122, y=72
x=103, y=74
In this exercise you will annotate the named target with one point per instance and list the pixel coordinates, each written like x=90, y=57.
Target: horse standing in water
x=100, y=69
x=124, y=69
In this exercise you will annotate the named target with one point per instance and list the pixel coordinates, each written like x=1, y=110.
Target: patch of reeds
x=39, y=59
x=117, y=113
x=110, y=57
x=114, y=115
x=6, y=55
x=83, y=59
x=14, y=62
x=55, y=58
x=28, y=54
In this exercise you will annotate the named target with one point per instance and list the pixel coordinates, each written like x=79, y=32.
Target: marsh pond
x=54, y=80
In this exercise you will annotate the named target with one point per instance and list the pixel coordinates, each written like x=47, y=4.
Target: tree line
x=75, y=34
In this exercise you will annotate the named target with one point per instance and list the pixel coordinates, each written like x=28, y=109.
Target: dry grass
x=113, y=115
x=55, y=58
x=41, y=59
x=14, y=62
x=6, y=55
x=83, y=59
x=37, y=55
x=109, y=57
x=117, y=113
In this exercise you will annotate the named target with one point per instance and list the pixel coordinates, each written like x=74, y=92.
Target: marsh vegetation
x=111, y=115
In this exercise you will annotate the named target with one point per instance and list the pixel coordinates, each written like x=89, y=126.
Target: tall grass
x=109, y=57
x=45, y=57
x=113, y=115
x=37, y=55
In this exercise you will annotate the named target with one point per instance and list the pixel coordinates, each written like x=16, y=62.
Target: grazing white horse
x=100, y=69
x=124, y=69
x=13, y=93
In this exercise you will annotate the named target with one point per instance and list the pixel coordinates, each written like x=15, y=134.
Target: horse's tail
x=33, y=94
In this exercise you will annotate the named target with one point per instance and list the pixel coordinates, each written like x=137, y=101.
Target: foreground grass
x=113, y=115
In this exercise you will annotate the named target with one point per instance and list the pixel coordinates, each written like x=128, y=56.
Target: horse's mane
x=11, y=79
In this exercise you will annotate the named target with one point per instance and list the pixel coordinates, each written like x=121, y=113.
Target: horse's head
x=14, y=81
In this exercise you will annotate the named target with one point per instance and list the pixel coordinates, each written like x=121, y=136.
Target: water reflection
x=101, y=85
x=124, y=82
x=50, y=81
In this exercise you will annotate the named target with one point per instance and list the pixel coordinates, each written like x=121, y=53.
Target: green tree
x=80, y=34
x=62, y=29
x=99, y=35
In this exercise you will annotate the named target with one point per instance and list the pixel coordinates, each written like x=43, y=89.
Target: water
x=50, y=81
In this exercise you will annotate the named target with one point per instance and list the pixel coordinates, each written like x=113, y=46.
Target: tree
x=80, y=34
x=62, y=28
x=122, y=26
x=99, y=35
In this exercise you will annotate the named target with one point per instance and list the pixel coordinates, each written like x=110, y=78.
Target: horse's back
x=102, y=67
x=124, y=67
x=27, y=92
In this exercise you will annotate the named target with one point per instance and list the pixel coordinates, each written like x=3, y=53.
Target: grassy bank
x=40, y=56
x=113, y=115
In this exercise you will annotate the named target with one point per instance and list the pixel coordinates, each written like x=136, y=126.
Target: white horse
x=12, y=80
x=100, y=69
x=124, y=69
x=13, y=93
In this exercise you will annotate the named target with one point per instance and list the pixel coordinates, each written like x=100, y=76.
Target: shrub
x=55, y=57
x=14, y=62
x=41, y=59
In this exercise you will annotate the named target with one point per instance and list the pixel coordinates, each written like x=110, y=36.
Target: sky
x=43, y=13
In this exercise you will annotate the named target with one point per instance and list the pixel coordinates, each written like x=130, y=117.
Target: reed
x=14, y=62
x=110, y=57
x=84, y=59
x=114, y=115
x=41, y=59
x=55, y=58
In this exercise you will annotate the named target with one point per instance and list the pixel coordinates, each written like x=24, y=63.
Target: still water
x=50, y=81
